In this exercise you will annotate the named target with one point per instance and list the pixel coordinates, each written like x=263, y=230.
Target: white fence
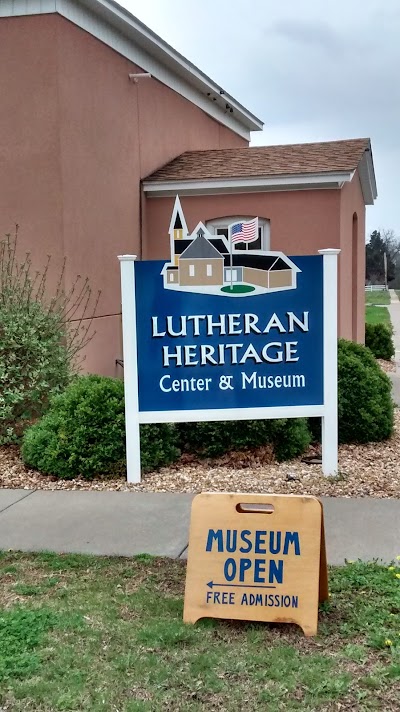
x=375, y=287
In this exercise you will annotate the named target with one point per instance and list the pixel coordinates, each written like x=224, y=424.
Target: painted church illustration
x=215, y=264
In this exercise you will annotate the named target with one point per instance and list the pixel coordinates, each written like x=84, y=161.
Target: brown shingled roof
x=292, y=159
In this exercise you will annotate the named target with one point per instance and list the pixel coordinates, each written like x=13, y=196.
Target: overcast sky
x=311, y=70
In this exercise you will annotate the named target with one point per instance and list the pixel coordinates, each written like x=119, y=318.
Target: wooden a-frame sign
x=257, y=557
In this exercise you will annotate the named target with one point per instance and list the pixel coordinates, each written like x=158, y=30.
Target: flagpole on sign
x=231, y=250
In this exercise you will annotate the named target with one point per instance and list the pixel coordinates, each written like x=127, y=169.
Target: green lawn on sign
x=90, y=634
x=377, y=314
x=238, y=288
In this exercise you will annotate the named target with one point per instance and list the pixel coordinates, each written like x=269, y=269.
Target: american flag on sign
x=244, y=231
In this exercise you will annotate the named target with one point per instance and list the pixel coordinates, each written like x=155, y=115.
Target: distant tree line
x=381, y=243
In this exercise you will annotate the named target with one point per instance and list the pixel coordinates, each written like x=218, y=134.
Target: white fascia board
x=367, y=178
x=117, y=28
x=17, y=8
x=247, y=185
x=168, y=54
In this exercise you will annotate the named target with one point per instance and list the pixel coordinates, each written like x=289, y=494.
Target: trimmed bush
x=365, y=406
x=83, y=433
x=378, y=338
x=158, y=445
x=365, y=402
x=290, y=437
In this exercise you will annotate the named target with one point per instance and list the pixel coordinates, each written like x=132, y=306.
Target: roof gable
x=263, y=260
x=120, y=30
x=200, y=248
x=266, y=262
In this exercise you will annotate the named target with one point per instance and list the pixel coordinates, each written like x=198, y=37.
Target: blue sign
x=240, y=331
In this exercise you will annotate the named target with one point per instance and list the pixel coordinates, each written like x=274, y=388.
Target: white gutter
x=247, y=185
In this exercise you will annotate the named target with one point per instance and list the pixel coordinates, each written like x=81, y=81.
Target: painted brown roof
x=326, y=157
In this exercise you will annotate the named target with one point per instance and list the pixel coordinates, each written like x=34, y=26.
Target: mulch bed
x=371, y=470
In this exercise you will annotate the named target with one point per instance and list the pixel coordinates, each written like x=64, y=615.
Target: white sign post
x=330, y=417
x=128, y=299
x=328, y=410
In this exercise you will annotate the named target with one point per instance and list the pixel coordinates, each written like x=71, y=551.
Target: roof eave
x=117, y=27
x=127, y=23
x=302, y=181
x=366, y=173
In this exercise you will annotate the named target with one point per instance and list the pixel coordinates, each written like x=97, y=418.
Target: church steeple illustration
x=177, y=228
x=204, y=263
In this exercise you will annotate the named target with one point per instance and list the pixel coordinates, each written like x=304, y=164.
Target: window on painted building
x=191, y=270
x=221, y=227
x=209, y=270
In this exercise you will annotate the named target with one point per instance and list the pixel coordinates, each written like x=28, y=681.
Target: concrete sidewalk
x=128, y=523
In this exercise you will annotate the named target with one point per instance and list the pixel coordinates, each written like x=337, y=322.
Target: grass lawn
x=376, y=315
x=83, y=633
x=377, y=297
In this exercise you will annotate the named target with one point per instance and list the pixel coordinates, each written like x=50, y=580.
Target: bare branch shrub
x=42, y=336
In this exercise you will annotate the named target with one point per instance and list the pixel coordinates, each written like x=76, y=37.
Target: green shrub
x=83, y=433
x=290, y=437
x=378, y=338
x=158, y=445
x=33, y=365
x=37, y=350
x=365, y=406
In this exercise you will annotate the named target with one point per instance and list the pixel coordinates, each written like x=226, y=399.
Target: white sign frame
x=328, y=411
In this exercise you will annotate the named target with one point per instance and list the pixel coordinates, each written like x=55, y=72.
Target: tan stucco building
x=102, y=124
